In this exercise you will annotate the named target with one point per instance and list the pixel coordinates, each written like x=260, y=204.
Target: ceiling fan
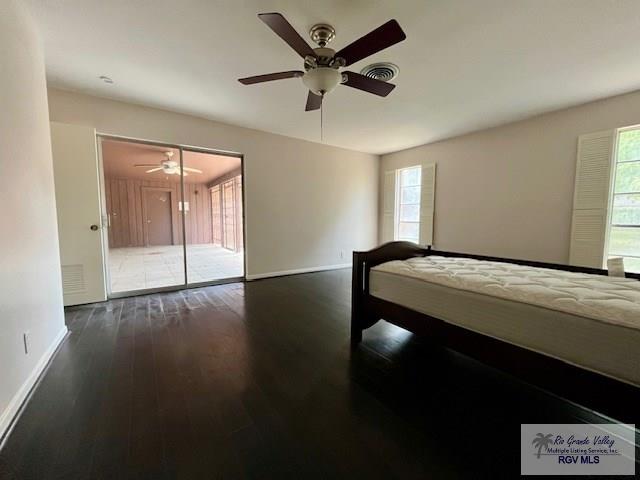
x=322, y=64
x=168, y=166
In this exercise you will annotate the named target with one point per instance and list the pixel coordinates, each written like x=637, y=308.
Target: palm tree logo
x=542, y=441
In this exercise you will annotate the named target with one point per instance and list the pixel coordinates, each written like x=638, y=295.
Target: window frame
x=398, y=204
x=612, y=195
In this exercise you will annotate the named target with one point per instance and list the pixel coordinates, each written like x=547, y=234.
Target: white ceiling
x=466, y=64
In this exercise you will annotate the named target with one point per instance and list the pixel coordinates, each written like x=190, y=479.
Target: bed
x=571, y=330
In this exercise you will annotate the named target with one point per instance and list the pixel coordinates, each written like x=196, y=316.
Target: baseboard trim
x=258, y=276
x=13, y=411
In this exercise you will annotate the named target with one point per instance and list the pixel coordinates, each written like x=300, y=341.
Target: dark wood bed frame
x=619, y=400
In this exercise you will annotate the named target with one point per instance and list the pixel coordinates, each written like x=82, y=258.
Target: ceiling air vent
x=381, y=71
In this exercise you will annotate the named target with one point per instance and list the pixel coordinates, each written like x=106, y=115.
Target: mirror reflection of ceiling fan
x=168, y=166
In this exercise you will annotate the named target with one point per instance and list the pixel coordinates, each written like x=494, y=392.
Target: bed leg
x=357, y=300
x=356, y=334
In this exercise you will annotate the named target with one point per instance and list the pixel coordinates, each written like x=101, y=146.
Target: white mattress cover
x=607, y=299
x=608, y=349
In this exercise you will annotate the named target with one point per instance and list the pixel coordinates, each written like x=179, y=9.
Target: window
x=624, y=222
x=408, y=204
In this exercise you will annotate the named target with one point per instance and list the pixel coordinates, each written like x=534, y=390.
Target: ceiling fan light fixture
x=322, y=80
x=323, y=64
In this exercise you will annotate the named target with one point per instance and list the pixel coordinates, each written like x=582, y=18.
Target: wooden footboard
x=362, y=315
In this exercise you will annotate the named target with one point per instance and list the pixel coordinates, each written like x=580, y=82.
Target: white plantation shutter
x=388, y=206
x=591, y=198
x=427, y=203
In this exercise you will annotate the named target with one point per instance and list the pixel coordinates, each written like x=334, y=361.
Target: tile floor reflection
x=137, y=268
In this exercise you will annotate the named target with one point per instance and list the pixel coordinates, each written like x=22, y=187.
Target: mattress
x=547, y=311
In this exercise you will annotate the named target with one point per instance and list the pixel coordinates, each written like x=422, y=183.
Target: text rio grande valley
x=582, y=450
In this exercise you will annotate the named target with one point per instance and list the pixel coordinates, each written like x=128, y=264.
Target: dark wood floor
x=257, y=381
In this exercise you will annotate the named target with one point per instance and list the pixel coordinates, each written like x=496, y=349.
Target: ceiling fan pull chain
x=322, y=121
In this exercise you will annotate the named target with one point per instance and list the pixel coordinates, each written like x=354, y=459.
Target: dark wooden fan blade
x=314, y=102
x=371, y=85
x=382, y=37
x=286, y=32
x=270, y=76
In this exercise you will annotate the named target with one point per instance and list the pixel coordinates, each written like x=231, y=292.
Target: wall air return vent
x=73, y=279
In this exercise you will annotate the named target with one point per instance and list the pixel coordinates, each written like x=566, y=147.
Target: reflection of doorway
x=226, y=214
x=216, y=215
x=228, y=207
x=157, y=214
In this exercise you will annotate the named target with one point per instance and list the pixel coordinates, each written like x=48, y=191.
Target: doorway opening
x=174, y=216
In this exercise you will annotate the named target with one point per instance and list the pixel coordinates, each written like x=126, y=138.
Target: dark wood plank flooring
x=257, y=381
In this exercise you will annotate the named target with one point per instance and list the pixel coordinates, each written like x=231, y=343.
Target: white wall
x=306, y=202
x=508, y=191
x=30, y=285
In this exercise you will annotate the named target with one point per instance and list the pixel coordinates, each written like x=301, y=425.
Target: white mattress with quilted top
x=591, y=321
x=607, y=299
